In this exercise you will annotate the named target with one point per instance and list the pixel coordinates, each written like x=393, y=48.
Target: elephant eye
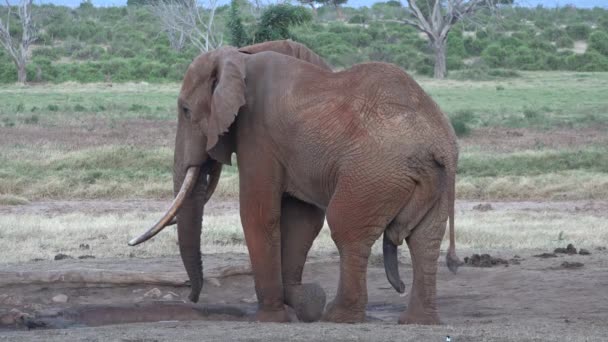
x=186, y=112
x=213, y=85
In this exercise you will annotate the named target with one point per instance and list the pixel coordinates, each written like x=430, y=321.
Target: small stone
x=60, y=298
x=546, y=255
x=86, y=257
x=583, y=251
x=250, y=300
x=62, y=256
x=84, y=246
x=154, y=293
x=37, y=259
x=600, y=248
x=483, y=207
x=214, y=281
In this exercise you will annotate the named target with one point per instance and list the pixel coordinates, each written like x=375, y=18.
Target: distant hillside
x=368, y=3
x=120, y=44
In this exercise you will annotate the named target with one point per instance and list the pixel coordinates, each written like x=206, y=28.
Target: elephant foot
x=419, y=317
x=279, y=316
x=308, y=301
x=339, y=314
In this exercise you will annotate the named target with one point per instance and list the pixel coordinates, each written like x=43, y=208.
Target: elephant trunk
x=189, y=227
x=391, y=264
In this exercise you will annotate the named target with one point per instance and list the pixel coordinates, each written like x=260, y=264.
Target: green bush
x=564, y=42
x=589, y=61
x=461, y=122
x=578, y=31
x=598, y=41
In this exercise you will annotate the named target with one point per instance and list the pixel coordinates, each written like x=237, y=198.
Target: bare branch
x=187, y=19
x=18, y=48
x=439, y=18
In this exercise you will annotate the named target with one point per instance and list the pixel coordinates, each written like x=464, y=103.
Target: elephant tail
x=391, y=264
x=452, y=260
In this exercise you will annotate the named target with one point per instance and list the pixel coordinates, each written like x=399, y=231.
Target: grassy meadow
x=536, y=136
x=106, y=141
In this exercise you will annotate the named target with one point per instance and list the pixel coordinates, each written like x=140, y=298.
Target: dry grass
x=13, y=200
x=25, y=237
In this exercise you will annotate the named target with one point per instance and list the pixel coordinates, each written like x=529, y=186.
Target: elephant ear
x=289, y=48
x=228, y=97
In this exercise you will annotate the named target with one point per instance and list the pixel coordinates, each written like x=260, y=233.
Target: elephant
x=365, y=148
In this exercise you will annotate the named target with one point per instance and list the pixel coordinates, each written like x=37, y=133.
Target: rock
x=483, y=207
x=250, y=300
x=84, y=246
x=214, y=281
x=568, y=250
x=154, y=293
x=600, y=248
x=583, y=251
x=12, y=317
x=37, y=259
x=60, y=298
x=546, y=255
x=62, y=256
x=86, y=257
x=571, y=265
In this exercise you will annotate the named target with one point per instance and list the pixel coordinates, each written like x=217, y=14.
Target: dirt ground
x=529, y=299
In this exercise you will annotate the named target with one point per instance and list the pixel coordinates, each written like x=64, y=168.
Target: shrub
x=564, y=42
x=358, y=19
x=589, y=61
x=598, y=41
x=578, y=31
x=461, y=122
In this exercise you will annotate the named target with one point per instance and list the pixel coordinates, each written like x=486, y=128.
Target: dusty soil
x=536, y=300
x=102, y=207
x=88, y=133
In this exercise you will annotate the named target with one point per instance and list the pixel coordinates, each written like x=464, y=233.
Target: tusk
x=189, y=181
x=214, y=178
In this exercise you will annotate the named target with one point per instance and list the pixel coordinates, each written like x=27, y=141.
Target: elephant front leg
x=300, y=225
x=260, y=215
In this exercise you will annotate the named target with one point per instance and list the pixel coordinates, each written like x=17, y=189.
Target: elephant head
x=212, y=92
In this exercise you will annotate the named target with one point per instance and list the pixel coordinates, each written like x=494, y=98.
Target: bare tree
x=18, y=48
x=191, y=20
x=435, y=18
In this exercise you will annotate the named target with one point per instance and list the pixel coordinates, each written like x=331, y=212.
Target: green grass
x=46, y=170
x=56, y=104
x=536, y=99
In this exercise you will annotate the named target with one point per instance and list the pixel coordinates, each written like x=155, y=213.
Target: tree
x=435, y=18
x=238, y=36
x=310, y=3
x=187, y=19
x=18, y=48
x=276, y=19
x=336, y=4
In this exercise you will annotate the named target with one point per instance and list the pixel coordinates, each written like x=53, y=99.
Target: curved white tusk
x=187, y=185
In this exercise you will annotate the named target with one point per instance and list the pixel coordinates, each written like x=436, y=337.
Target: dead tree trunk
x=440, y=49
x=18, y=48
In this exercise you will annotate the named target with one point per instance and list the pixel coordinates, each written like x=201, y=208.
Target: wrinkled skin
x=365, y=147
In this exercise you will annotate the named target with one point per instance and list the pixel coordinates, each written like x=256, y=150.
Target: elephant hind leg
x=424, y=244
x=357, y=216
x=300, y=225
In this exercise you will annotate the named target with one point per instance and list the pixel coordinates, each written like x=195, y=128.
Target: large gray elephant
x=365, y=147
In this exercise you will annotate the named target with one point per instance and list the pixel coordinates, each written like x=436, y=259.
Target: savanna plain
x=85, y=167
